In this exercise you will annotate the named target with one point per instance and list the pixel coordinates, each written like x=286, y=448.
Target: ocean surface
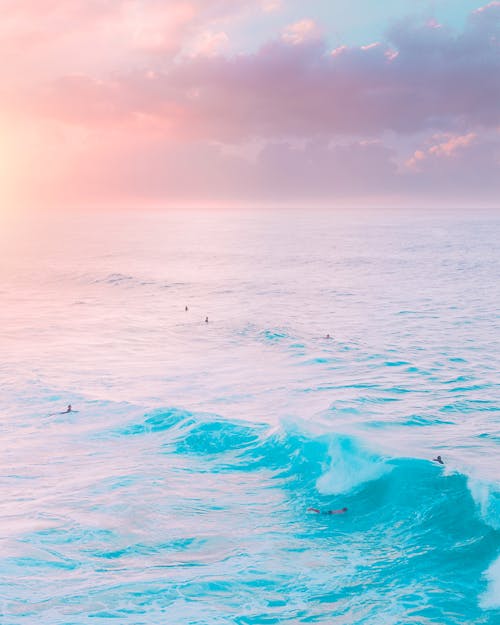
x=177, y=491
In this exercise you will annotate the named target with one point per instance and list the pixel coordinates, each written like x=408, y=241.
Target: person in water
x=438, y=459
x=328, y=336
x=341, y=511
x=206, y=319
x=186, y=309
x=68, y=409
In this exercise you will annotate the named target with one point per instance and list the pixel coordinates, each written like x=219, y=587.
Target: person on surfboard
x=341, y=511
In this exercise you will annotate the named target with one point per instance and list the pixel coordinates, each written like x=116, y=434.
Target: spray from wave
x=491, y=597
x=350, y=467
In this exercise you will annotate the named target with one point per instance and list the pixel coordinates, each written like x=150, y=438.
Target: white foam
x=491, y=597
x=350, y=467
x=487, y=498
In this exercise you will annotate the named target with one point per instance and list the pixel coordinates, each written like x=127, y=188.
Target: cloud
x=151, y=171
x=319, y=170
x=467, y=162
x=487, y=7
x=421, y=78
x=159, y=108
x=159, y=28
x=270, y=6
x=103, y=166
x=301, y=32
x=46, y=39
x=210, y=44
x=443, y=146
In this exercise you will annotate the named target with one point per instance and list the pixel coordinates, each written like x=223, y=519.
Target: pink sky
x=235, y=102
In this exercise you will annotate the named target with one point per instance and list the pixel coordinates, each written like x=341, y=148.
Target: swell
x=122, y=280
x=185, y=500
x=326, y=466
x=437, y=517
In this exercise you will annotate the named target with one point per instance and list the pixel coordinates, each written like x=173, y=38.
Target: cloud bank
x=172, y=115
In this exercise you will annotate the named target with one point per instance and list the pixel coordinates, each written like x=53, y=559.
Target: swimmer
x=67, y=411
x=341, y=511
x=438, y=459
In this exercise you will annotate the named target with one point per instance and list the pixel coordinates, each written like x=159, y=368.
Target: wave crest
x=350, y=467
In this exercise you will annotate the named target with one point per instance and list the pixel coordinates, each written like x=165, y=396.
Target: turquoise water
x=178, y=491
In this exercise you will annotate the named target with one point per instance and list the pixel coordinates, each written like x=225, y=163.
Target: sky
x=271, y=103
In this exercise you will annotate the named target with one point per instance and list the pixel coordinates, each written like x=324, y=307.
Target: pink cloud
x=422, y=78
x=210, y=44
x=451, y=145
x=487, y=7
x=461, y=167
x=104, y=166
x=53, y=37
x=270, y=6
x=301, y=32
x=153, y=171
x=158, y=28
x=157, y=109
x=443, y=146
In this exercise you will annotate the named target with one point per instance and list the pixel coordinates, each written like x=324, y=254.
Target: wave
x=123, y=280
x=436, y=517
x=414, y=529
x=325, y=466
x=351, y=466
x=487, y=498
x=490, y=599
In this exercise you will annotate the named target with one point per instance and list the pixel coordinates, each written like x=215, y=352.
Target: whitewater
x=177, y=491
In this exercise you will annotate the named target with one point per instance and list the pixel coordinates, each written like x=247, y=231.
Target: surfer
x=341, y=511
x=206, y=319
x=328, y=336
x=438, y=459
x=67, y=411
x=186, y=309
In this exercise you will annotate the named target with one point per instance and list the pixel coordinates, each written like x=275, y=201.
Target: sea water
x=177, y=491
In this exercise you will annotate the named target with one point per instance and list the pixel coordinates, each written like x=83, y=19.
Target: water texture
x=178, y=491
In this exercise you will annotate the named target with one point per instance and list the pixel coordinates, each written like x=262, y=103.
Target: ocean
x=177, y=490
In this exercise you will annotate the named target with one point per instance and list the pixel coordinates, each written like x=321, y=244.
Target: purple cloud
x=421, y=78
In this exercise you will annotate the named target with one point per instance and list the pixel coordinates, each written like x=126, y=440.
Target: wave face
x=178, y=492
x=202, y=517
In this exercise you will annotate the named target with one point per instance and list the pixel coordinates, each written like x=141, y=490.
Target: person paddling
x=341, y=511
x=67, y=411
